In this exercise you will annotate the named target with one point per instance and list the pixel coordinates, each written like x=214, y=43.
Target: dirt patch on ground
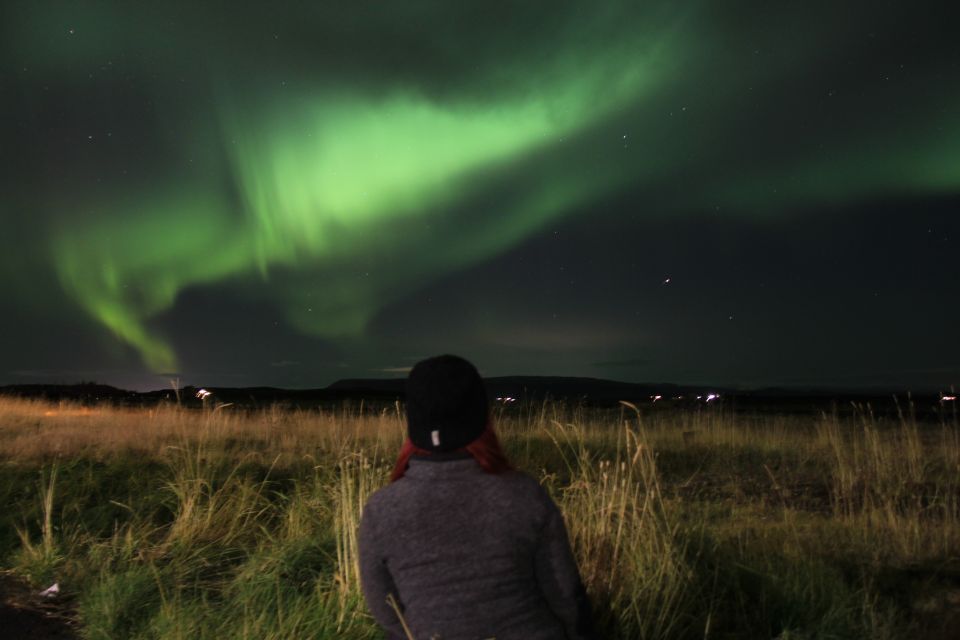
x=26, y=615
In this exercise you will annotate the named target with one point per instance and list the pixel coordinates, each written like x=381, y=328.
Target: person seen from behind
x=461, y=546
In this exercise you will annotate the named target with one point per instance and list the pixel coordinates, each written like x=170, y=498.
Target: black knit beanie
x=446, y=403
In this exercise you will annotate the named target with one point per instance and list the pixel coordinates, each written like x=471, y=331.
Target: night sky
x=734, y=193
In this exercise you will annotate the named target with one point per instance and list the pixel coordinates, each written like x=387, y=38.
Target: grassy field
x=171, y=523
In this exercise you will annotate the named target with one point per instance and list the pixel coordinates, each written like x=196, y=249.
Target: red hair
x=485, y=450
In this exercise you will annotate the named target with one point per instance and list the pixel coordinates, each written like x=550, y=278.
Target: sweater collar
x=442, y=466
x=442, y=456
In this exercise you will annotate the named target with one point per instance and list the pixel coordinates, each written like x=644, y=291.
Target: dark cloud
x=630, y=363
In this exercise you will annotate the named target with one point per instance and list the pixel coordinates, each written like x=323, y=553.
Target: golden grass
x=679, y=520
x=35, y=430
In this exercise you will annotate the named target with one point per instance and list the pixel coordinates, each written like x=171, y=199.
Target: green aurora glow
x=296, y=189
x=328, y=177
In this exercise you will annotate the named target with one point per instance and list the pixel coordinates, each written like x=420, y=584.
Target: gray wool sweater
x=469, y=556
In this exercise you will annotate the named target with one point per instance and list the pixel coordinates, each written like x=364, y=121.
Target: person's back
x=468, y=551
x=475, y=555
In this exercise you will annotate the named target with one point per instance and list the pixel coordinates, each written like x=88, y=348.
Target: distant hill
x=527, y=387
x=83, y=392
x=383, y=392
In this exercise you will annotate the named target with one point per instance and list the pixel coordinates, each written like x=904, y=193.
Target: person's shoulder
x=520, y=478
x=526, y=498
x=525, y=484
x=381, y=498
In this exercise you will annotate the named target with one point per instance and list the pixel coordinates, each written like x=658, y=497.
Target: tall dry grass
x=223, y=523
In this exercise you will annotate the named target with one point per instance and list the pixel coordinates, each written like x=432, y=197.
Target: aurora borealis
x=747, y=194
